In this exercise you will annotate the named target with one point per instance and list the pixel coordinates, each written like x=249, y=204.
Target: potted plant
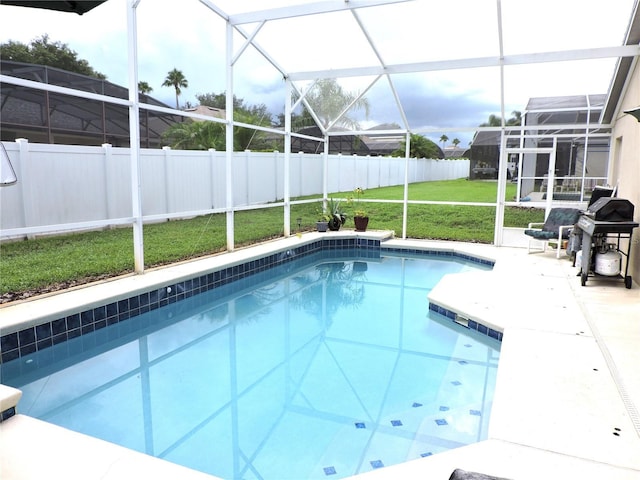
x=323, y=221
x=335, y=214
x=360, y=217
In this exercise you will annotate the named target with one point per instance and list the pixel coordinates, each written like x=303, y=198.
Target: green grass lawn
x=52, y=263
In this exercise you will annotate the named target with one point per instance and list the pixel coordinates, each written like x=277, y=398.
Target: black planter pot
x=335, y=224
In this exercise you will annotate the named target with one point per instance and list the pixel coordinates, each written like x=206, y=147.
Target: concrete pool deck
x=565, y=404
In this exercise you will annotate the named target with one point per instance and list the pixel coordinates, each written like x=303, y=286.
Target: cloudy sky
x=186, y=35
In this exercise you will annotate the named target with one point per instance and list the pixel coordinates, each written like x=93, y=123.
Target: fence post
x=168, y=204
x=247, y=178
x=108, y=204
x=212, y=180
x=28, y=207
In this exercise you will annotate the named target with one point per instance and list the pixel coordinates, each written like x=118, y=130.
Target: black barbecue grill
x=607, y=219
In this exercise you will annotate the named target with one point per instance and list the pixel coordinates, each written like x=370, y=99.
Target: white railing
x=64, y=187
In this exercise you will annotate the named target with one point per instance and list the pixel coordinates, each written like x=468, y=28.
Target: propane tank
x=608, y=262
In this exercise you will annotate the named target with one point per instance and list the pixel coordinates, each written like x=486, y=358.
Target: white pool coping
x=567, y=378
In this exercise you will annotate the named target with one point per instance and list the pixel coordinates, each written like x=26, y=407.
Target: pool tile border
x=450, y=314
x=470, y=324
x=39, y=337
x=440, y=253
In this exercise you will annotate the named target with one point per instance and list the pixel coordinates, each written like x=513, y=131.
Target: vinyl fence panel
x=62, y=185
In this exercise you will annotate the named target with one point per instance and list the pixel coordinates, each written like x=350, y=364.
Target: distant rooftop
x=572, y=101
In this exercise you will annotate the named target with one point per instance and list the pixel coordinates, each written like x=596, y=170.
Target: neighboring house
x=386, y=144
x=580, y=161
x=624, y=157
x=48, y=117
x=208, y=111
x=344, y=144
x=455, y=152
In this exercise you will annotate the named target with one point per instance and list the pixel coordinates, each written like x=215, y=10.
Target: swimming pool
x=280, y=376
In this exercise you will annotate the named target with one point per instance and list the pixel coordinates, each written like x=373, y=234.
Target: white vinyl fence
x=64, y=187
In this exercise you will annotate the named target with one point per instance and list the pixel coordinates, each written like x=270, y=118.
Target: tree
x=196, y=135
x=420, y=147
x=444, y=140
x=516, y=119
x=203, y=134
x=298, y=121
x=176, y=79
x=455, y=142
x=328, y=100
x=496, y=121
x=144, y=88
x=41, y=51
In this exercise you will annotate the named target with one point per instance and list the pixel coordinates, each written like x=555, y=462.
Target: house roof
x=623, y=68
x=571, y=101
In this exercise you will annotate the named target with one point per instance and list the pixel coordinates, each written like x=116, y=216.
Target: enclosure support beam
x=502, y=162
x=229, y=140
x=134, y=138
x=287, y=158
x=502, y=188
x=405, y=205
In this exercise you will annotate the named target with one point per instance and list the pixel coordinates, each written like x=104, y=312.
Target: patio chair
x=556, y=227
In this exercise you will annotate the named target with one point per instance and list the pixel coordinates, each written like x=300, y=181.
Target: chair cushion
x=561, y=216
x=541, y=234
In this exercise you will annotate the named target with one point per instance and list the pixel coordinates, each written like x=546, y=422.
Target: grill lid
x=611, y=210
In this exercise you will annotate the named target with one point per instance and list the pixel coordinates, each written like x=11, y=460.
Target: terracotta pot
x=361, y=223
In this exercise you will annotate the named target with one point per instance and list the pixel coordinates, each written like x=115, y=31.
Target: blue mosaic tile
x=10, y=355
x=59, y=326
x=416, y=404
x=329, y=470
x=43, y=331
x=463, y=362
x=444, y=409
x=42, y=344
x=477, y=413
x=99, y=313
x=27, y=336
x=426, y=454
x=86, y=317
x=9, y=342
x=456, y=383
x=441, y=422
x=360, y=425
x=396, y=423
x=376, y=463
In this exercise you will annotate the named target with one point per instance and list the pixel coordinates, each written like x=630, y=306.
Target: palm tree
x=144, y=88
x=516, y=119
x=455, y=142
x=444, y=139
x=328, y=100
x=176, y=79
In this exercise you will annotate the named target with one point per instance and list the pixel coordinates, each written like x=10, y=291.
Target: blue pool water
x=323, y=371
